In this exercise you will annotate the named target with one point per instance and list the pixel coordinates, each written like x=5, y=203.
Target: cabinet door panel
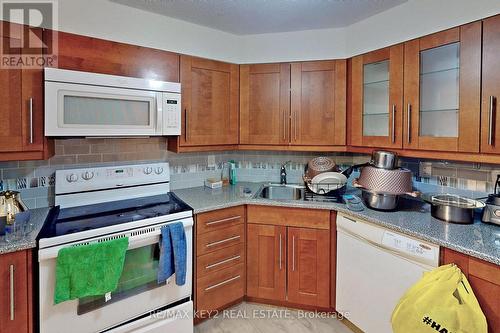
x=13, y=274
x=490, y=118
x=318, y=103
x=309, y=266
x=377, y=97
x=11, y=119
x=266, y=262
x=210, y=102
x=442, y=90
x=264, y=103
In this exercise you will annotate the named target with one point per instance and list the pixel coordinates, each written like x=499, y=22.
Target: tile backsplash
x=35, y=179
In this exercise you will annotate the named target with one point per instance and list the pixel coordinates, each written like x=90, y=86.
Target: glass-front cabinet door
x=377, y=97
x=442, y=90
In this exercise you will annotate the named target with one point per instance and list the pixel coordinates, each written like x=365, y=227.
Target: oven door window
x=140, y=273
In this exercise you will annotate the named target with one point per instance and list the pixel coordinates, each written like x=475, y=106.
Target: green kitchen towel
x=89, y=270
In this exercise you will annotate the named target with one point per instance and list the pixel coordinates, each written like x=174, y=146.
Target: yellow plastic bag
x=441, y=301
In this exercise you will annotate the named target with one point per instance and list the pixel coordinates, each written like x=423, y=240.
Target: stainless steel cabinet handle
x=31, y=119
x=12, y=304
x=408, y=123
x=293, y=253
x=295, y=127
x=223, y=241
x=490, y=120
x=393, y=123
x=220, y=284
x=222, y=262
x=223, y=220
x=280, y=254
x=284, y=126
x=186, y=124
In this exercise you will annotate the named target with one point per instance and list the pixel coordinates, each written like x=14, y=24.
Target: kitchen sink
x=281, y=192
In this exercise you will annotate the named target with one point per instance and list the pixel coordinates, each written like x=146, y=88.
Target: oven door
x=138, y=292
x=87, y=110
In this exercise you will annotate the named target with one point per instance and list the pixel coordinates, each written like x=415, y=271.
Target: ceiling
x=244, y=17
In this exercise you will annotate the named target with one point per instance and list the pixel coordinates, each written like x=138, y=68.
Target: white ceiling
x=244, y=17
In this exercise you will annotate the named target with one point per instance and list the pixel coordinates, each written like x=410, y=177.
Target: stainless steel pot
x=384, y=159
x=452, y=208
x=380, y=201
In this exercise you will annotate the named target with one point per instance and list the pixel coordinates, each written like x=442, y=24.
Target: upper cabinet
x=442, y=86
x=377, y=98
x=21, y=110
x=210, y=91
x=264, y=104
x=490, y=129
x=296, y=106
x=318, y=103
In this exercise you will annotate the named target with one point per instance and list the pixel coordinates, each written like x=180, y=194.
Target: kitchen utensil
x=384, y=159
x=11, y=204
x=395, y=181
x=380, y=201
x=491, y=213
x=452, y=207
x=320, y=164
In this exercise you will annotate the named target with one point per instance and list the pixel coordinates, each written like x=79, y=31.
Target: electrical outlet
x=211, y=161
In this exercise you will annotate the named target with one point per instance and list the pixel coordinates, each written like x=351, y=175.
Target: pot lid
x=454, y=200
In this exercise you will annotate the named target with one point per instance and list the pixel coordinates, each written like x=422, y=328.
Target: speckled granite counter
x=413, y=218
x=38, y=217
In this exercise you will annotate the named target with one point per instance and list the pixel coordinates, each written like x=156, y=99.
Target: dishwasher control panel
x=392, y=240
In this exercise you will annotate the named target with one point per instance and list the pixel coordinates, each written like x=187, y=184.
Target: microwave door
x=86, y=110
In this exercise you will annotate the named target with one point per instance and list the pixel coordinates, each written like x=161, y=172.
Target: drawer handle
x=31, y=119
x=393, y=123
x=280, y=254
x=12, y=304
x=223, y=241
x=222, y=262
x=293, y=253
x=223, y=220
x=220, y=284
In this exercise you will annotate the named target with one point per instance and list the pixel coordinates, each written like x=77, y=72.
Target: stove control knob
x=159, y=170
x=88, y=175
x=72, y=177
x=148, y=170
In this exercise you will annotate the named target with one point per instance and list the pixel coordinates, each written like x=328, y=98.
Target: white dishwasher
x=375, y=267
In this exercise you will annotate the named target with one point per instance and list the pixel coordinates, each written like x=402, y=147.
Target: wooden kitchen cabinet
x=21, y=111
x=266, y=263
x=309, y=266
x=442, y=86
x=16, y=297
x=265, y=104
x=484, y=278
x=490, y=125
x=288, y=259
x=318, y=103
x=210, y=104
x=377, y=98
x=220, y=272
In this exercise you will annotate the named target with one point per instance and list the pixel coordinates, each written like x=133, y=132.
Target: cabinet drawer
x=220, y=259
x=291, y=217
x=219, y=219
x=215, y=240
x=220, y=288
x=484, y=270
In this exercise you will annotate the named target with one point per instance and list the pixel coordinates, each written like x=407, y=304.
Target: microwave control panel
x=171, y=114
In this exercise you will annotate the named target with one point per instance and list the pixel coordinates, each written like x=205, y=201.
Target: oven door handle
x=136, y=238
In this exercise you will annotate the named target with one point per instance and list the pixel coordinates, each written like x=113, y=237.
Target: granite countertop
x=413, y=218
x=38, y=217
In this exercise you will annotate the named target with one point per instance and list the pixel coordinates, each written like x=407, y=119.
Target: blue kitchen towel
x=178, y=237
x=166, y=264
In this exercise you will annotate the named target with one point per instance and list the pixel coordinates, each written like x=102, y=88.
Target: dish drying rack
x=330, y=192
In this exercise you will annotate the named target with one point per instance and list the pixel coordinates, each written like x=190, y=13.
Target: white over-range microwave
x=99, y=105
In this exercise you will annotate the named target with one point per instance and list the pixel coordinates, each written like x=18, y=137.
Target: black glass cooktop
x=77, y=219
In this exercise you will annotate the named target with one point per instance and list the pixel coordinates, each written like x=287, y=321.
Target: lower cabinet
x=220, y=260
x=484, y=278
x=288, y=256
x=16, y=292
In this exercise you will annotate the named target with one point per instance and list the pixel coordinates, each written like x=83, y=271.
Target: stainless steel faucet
x=283, y=173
